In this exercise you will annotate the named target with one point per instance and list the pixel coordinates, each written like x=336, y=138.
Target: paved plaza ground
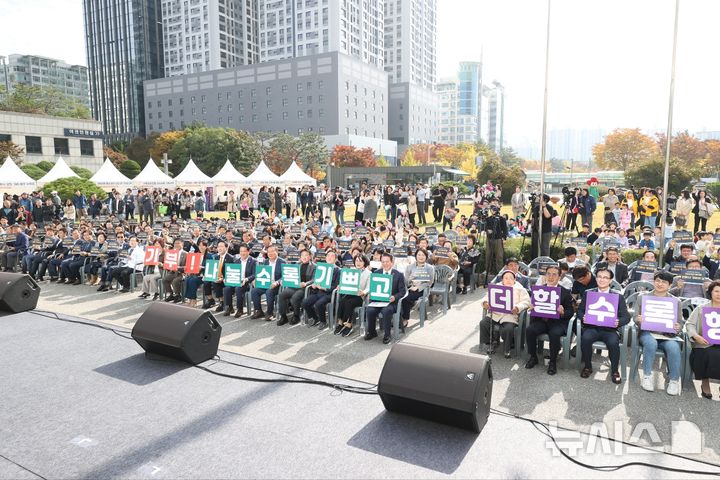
x=564, y=398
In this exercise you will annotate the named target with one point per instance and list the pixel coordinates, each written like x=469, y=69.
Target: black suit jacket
x=623, y=313
x=398, y=284
x=249, y=268
x=621, y=271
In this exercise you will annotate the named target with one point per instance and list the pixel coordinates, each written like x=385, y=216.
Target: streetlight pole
x=544, y=138
x=668, y=134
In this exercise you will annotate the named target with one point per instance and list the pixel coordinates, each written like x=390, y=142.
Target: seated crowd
x=693, y=281
x=215, y=263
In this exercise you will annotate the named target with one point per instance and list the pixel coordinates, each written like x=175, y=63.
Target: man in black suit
x=613, y=263
x=247, y=273
x=396, y=293
x=317, y=299
x=270, y=293
x=294, y=296
x=172, y=280
x=223, y=259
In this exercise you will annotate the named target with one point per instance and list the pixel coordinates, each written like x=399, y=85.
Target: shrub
x=66, y=188
x=129, y=168
x=45, y=165
x=33, y=171
x=81, y=172
x=461, y=187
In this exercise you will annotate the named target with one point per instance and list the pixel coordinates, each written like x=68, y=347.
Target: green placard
x=211, y=271
x=233, y=275
x=349, y=281
x=380, y=287
x=291, y=275
x=323, y=275
x=263, y=276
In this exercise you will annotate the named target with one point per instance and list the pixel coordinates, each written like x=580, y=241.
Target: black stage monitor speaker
x=184, y=333
x=438, y=385
x=18, y=292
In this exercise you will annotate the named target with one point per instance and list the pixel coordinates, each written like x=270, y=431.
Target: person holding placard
x=246, y=265
x=552, y=313
x=692, y=282
x=294, y=295
x=269, y=286
x=703, y=329
x=593, y=329
x=659, y=323
x=153, y=273
x=468, y=258
x=327, y=278
x=194, y=281
x=506, y=321
x=397, y=291
x=418, y=276
x=354, y=285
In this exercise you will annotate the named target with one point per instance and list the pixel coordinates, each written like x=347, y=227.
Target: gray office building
x=329, y=93
x=124, y=47
x=413, y=114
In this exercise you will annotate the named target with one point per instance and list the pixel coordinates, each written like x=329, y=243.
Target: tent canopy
x=294, y=176
x=152, y=176
x=12, y=177
x=59, y=170
x=229, y=175
x=263, y=176
x=192, y=176
x=110, y=176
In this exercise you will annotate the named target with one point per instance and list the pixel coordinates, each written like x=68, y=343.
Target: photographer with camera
x=496, y=231
x=548, y=212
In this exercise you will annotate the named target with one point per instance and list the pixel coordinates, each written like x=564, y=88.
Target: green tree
x=624, y=148
x=81, y=172
x=45, y=165
x=35, y=172
x=499, y=174
x=557, y=165
x=650, y=173
x=43, y=101
x=129, y=168
x=509, y=157
x=139, y=148
x=211, y=147
x=312, y=155
x=66, y=188
x=12, y=150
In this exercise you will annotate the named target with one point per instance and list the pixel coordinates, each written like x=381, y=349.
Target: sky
x=609, y=59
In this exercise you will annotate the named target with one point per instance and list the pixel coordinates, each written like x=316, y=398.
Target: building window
x=204, y=110
x=285, y=115
x=299, y=87
x=150, y=115
x=285, y=102
x=241, y=119
x=182, y=100
x=159, y=103
x=61, y=146
x=253, y=92
x=202, y=98
x=193, y=111
x=268, y=104
x=268, y=91
x=299, y=100
x=321, y=98
x=322, y=130
x=309, y=100
x=269, y=117
x=254, y=105
x=86, y=148
x=309, y=114
x=33, y=145
x=301, y=115
x=284, y=88
x=254, y=118
x=321, y=84
x=170, y=102
x=192, y=99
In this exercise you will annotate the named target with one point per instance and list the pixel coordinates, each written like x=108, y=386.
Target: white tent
x=13, y=180
x=192, y=178
x=59, y=170
x=263, y=176
x=228, y=178
x=110, y=177
x=152, y=176
x=295, y=177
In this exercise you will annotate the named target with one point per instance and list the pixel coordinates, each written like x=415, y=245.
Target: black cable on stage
x=55, y=316
x=544, y=429
x=24, y=468
x=541, y=427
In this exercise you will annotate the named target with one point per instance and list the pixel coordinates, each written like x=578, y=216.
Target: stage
x=83, y=402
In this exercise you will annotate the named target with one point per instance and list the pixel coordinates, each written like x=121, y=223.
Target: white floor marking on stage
x=84, y=442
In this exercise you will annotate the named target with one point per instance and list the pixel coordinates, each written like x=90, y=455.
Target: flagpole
x=544, y=136
x=668, y=134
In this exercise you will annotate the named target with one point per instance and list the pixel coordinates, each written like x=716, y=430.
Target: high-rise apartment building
x=455, y=127
x=295, y=28
x=124, y=47
x=470, y=88
x=204, y=35
x=411, y=41
x=496, y=116
x=32, y=70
